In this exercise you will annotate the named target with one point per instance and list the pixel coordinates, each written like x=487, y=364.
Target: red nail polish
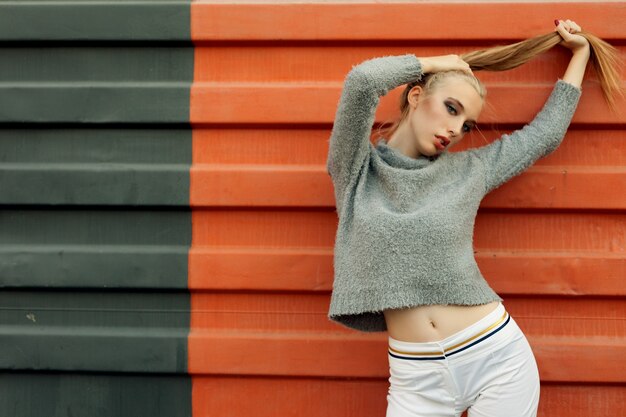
x=556, y=22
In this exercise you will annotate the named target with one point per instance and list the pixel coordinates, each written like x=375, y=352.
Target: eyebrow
x=462, y=107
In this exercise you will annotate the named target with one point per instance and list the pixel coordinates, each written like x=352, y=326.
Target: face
x=449, y=111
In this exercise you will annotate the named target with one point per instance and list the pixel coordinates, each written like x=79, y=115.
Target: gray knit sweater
x=405, y=234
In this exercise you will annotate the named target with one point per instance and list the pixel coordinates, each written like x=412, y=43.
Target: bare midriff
x=434, y=322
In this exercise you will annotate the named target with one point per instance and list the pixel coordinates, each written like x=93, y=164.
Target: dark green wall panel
x=104, y=166
x=95, y=104
x=96, y=84
x=154, y=229
x=123, y=310
x=148, y=62
x=95, y=223
x=93, y=145
x=79, y=184
x=94, y=248
x=80, y=20
x=94, y=395
x=52, y=266
x=86, y=331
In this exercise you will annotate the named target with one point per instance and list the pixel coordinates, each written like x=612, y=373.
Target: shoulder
x=462, y=159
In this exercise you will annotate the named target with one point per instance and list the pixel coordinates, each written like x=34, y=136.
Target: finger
x=563, y=32
x=560, y=24
x=572, y=26
x=568, y=25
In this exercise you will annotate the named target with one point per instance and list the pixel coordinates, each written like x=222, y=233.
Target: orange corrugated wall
x=551, y=241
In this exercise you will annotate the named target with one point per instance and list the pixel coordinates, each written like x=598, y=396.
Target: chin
x=434, y=151
x=429, y=150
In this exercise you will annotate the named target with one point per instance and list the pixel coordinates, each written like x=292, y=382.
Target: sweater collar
x=397, y=159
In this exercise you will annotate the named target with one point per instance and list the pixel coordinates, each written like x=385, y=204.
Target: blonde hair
x=604, y=58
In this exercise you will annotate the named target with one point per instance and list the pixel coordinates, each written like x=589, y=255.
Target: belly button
x=432, y=324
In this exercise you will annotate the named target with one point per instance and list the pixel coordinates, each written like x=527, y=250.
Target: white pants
x=487, y=368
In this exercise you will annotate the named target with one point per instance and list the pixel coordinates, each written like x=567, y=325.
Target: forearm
x=511, y=154
x=426, y=65
x=349, y=142
x=380, y=75
x=576, y=68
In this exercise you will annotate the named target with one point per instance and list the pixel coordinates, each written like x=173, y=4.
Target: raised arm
x=366, y=82
x=580, y=52
x=512, y=154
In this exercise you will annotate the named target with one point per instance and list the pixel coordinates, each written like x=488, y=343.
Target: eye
x=467, y=128
x=450, y=107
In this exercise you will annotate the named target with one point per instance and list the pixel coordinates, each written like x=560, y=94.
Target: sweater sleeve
x=513, y=153
x=366, y=82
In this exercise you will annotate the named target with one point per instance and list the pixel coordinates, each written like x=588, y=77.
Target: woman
x=403, y=252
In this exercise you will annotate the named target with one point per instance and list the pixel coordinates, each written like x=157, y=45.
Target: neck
x=402, y=140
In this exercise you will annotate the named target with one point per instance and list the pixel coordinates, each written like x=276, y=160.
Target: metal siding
x=54, y=394
x=551, y=241
x=95, y=224
x=99, y=20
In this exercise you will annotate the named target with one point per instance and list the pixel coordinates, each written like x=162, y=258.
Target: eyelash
x=465, y=125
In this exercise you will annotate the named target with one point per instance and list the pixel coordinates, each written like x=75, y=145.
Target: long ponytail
x=604, y=58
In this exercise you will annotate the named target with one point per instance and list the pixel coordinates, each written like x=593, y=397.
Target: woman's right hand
x=568, y=29
x=444, y=63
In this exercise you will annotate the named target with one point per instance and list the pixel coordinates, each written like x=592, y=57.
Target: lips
x=441, y=142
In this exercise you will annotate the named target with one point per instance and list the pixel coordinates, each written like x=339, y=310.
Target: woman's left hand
x=567, y=30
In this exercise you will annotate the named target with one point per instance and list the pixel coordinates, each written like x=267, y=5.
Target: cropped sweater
x=405, y=232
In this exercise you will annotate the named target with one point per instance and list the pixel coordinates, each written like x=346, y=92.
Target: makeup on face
x=471, y=122
x=443, y=116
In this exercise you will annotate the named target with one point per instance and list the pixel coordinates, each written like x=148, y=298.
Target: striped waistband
x=470, y=337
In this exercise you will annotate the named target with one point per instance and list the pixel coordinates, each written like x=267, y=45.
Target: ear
x=413, y=95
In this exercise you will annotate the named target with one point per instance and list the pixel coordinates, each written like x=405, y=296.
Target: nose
x=456, y=130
